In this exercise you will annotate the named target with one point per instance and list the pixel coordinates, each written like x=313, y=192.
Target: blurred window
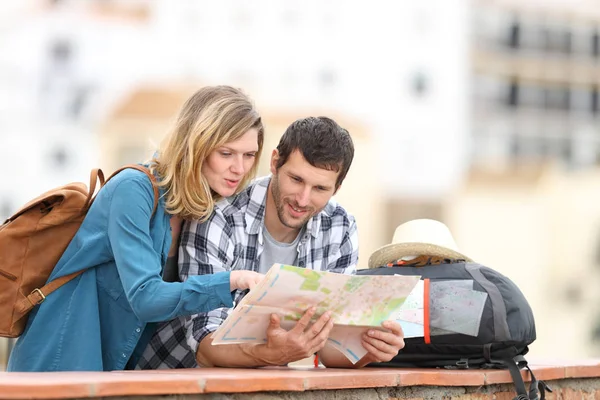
x=556, y=40
x=326, y=78
x=61, y=51
x=565, y=150
x=596, y=330
x=529, y=95
x=556, y=98
x=513, y=93
x=514, y=35
x=78, y=102
x=580, y=99
x=568, y=42
x=514, y=148
x=59, y=158
x=573, y=294
x=594, y=101
x=546, y=39
x=59, y=96
x=419, y=83
x=522, y=147
x=596, y=44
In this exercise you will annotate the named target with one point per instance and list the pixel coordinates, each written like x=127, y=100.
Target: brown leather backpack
x=33, y=240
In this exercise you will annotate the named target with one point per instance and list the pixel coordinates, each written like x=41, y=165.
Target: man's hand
x=382, y=346
x=243, y=280
x=302, y=341
x=282, y=346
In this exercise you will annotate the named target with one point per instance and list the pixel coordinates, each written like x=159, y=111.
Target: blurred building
x=527, y=206
x=535, y=80
x=480, y=113
x=540, y=226
x=525, y=201
x=391, y=76
x=55, y=90
x=135, y=128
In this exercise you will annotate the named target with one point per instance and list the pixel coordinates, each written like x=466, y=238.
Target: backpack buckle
x=40, y=294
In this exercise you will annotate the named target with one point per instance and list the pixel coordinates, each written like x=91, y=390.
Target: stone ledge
x=70, y=385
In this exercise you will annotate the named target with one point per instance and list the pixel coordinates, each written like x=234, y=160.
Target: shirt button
x=124, y=355
x=138, y=330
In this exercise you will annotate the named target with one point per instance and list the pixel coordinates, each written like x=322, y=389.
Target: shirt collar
x=255, y=213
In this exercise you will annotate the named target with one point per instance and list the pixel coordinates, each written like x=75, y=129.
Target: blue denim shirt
x=95, y=321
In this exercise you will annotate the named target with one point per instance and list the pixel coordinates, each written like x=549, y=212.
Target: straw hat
x=415, y=238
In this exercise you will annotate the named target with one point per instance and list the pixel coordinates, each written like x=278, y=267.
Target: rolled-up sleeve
x=201, y=325
x=151, y=298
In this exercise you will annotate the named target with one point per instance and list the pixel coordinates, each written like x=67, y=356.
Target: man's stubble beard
x=280, y=206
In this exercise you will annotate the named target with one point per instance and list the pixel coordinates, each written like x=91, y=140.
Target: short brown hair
x=322, y=142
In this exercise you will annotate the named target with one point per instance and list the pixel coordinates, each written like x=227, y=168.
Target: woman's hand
x=243, y=280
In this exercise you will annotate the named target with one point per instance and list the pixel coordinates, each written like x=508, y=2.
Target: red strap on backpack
x=426, y=313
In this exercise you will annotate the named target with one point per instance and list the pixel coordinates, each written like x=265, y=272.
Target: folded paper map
x=357, y=303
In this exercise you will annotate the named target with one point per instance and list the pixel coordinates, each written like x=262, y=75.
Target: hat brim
x=393, y=252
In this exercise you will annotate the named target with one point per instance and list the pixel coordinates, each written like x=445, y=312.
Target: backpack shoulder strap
x=148, y=174
x=514, y=366
x=37, y=296
x=94, y=176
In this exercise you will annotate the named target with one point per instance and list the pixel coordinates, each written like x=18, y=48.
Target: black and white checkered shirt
x=232, y=239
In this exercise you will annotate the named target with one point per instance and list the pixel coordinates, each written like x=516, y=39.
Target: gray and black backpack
x=505, y=324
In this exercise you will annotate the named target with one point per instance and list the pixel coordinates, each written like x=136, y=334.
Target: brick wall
x=580, y=380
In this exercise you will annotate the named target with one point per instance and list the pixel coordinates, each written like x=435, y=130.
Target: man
x=289, y=218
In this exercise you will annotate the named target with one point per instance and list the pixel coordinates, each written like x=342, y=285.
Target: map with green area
x=361, y=302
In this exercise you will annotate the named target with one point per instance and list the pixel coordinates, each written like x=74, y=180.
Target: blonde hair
x=212, y=117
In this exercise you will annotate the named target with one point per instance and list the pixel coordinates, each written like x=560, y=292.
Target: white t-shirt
x=275, y=252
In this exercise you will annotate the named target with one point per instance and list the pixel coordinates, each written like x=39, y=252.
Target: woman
x=96, y=321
